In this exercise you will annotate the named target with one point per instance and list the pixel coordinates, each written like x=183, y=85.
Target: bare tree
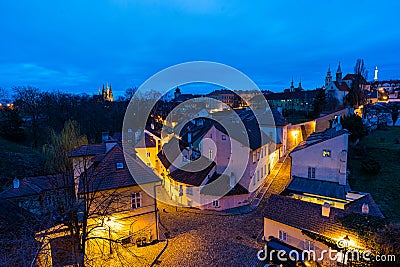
x=3, y=93
x=356, y=95
x=29, y=99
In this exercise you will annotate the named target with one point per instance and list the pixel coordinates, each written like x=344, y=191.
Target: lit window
x=136, y=200
x=311, y=172
x=283, y=235
x=120, y=165
x=215, y=203
x=308, y=245
x=326, y=153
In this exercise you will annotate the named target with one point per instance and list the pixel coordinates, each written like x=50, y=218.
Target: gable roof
x=316, y=138
x=195, y=178
x=341, y=86
x=317, y=187
x=31, y=186
x=88, y=150
x=356, y=206
x=352, y=77
x=219, y=185
x=104, y=175
x=256, y=137
x=172, y=153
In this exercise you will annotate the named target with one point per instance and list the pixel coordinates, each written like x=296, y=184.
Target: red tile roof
x=319, y=137
x=147, y=141
x=341, y=86
x=195, y=178
x=219, y=185
x=308, y=216
x=30, y=186
x=105, y=175
x=88, y=150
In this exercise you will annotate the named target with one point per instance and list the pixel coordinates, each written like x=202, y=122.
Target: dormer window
x=120, y=165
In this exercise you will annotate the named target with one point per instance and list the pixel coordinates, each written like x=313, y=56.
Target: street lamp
x=108, y=223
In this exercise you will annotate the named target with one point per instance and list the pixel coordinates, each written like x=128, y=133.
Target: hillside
x=17, y=161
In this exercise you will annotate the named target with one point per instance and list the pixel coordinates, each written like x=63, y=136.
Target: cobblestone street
x=205, y=238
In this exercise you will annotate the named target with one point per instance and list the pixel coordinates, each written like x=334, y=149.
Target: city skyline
x=76, y=47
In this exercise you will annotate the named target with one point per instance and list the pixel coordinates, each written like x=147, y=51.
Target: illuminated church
x=106, y=94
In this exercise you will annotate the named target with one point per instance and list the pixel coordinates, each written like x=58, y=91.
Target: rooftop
x=105, y=175
x=30, y=186
x=308, y=216
x=319, y=137
x=88, y=150
x=219, y=185
x=317, y=187
x=195, y=178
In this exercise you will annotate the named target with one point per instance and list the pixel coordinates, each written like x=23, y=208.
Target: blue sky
x=77, y=45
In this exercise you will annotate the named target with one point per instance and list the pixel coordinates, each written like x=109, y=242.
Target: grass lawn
x=385, y=186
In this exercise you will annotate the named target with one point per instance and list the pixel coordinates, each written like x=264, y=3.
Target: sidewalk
x=270, y=179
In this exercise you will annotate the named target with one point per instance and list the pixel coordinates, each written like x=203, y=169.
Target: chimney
x=326, y=209
x=104, y=137
x=365, y=209
x=16, y=183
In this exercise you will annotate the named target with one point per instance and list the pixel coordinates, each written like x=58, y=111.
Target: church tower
x=328, y=78
x=107, y=93
x=292, y=86
x=177, y=92
x=339, y=74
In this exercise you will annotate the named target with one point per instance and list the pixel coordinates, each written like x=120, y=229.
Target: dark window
x=311, y=172
x=136, y=200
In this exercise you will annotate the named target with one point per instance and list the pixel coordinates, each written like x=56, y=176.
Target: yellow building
x=117, y=211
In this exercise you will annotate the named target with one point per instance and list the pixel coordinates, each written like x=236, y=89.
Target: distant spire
x=300, y=84
x=339, y=74
x=292, y=84
x=339, y=69
x=329, y=69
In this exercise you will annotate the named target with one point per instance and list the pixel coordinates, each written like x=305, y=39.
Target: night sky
x=78, y=45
